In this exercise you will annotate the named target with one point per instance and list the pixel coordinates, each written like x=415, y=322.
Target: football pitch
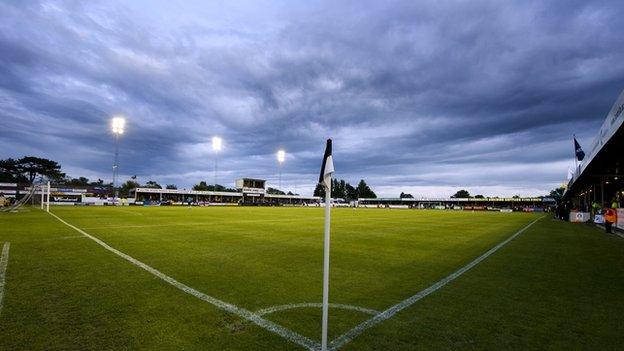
x=241, y=278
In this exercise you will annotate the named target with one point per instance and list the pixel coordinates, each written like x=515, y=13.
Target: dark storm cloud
x=419, y=96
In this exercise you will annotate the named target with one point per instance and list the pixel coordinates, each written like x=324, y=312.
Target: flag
x=570, y=173
x=328, y=166
x=580, y=154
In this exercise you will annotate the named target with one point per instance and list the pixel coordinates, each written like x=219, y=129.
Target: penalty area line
x=241, y=312
x=4, y=261
x=347, y=337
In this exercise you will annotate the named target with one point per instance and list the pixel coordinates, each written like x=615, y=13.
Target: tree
x=31, y=167
x=557, y=193
x=9, y=172
x=344, y=190
x=406, y=196
x=218, y=187
x=171, y=186
x=99, y=182
x=350, y=192
x=274, y=191
x=202, y=186
x=365, y=191
x=319, y=190
x=339, y=188
x=479, y=197
x=125, y=188
x=152, y=184
x=461, y=194
x=81, y=181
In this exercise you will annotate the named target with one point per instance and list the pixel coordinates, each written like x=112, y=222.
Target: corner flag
x=325, y=178
x=580, y=154
x=328, y=166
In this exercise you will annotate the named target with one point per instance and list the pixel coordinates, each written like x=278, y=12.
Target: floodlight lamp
x=217, y=143
x=118, y=125
x=281, y=156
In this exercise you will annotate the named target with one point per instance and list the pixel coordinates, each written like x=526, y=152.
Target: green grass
x=556, y=286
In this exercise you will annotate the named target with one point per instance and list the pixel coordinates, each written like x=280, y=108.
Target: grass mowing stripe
x=360, y=328
x=241, y=312
x=4, y=261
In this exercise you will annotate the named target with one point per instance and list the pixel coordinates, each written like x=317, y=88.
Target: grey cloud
x=416, y=95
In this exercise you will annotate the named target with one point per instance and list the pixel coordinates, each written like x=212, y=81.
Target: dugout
x=598, y=181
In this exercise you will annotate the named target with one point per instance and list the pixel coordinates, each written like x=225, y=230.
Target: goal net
x=37, y=194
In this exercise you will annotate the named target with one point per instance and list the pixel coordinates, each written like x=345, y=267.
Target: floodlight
x=281, y=156
x=217, y=142
x=118, y=125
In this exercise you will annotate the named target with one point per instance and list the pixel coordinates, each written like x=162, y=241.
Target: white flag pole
x=326, y=268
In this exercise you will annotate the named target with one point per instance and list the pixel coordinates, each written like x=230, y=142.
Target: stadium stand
x=526, y=204
x=598, y=182
x=250, y=192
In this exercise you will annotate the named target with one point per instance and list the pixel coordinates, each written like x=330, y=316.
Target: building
x=252, y=190
x=9, y=190
x=249, y=191
x=598, y=181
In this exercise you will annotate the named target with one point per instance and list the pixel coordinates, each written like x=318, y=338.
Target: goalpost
x=43, y=189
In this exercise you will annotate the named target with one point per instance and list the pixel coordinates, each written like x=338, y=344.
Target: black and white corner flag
x=325, y=178
x=328, y=166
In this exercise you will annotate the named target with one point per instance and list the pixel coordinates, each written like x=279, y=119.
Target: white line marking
x=360, y=328
x=4, y=261
x=241, y=312
x=279, y=308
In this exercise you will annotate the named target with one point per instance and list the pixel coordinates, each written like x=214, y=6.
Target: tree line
x=342, y=189
x=30, y=169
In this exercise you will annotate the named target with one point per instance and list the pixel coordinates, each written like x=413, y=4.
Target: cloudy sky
x=419, y=96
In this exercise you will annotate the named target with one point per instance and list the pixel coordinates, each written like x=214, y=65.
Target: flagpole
x=326, y=268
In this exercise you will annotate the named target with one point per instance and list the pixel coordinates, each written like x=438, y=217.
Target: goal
x=37, y=193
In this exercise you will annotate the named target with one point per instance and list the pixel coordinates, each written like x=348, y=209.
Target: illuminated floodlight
x=281, y=156
x=119, y=123
x=217, y=143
